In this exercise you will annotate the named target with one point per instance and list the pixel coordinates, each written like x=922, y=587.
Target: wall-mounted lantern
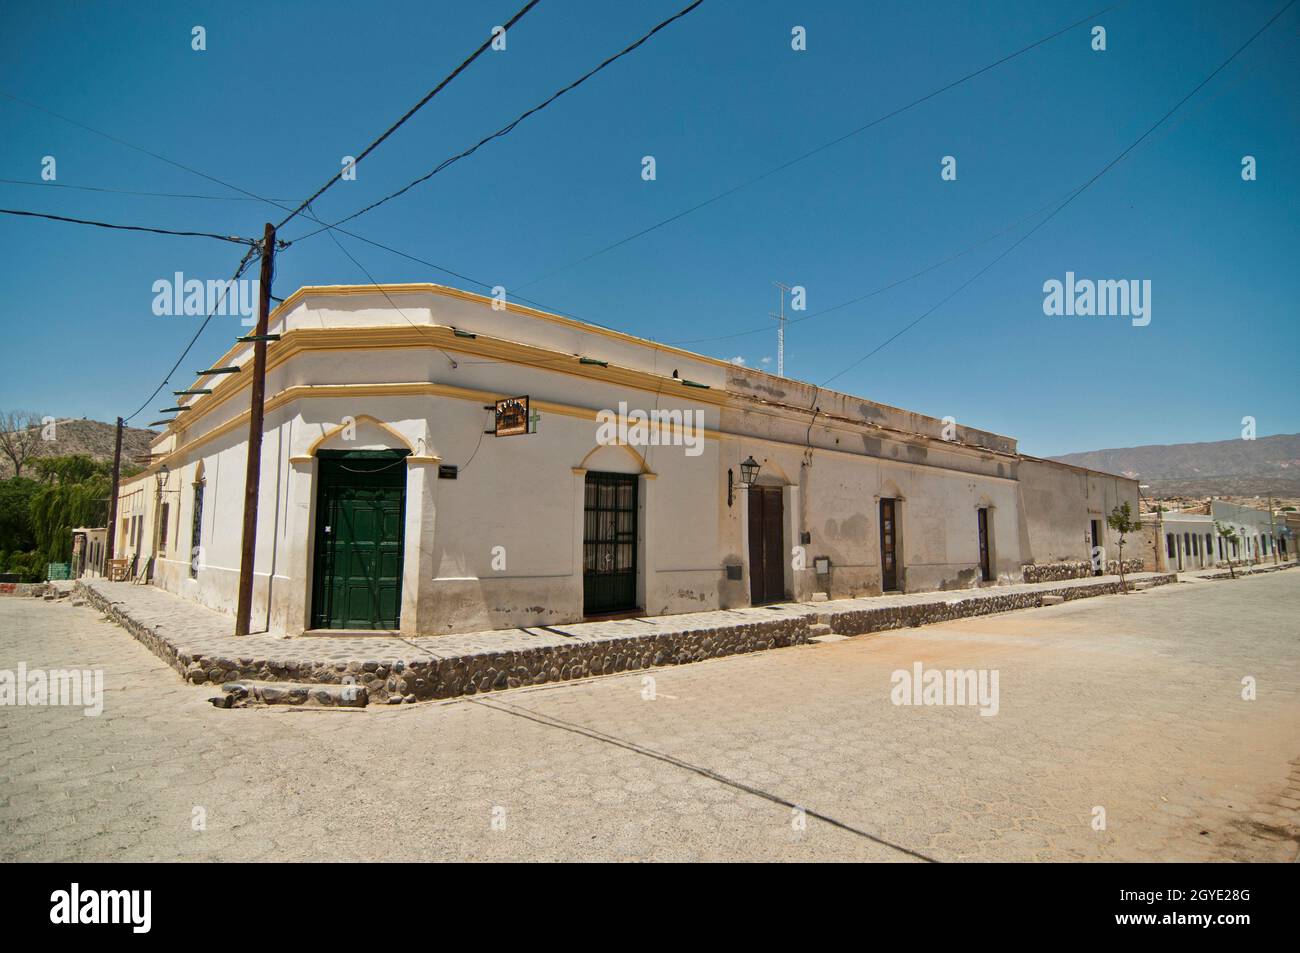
x=749, y=472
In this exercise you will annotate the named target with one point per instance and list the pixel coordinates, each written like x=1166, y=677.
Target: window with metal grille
x=196, y=530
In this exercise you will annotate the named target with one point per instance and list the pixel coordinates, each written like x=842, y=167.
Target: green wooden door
x=360, y=522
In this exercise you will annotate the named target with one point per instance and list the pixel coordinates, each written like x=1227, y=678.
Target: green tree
x=37, y=516
x=58, y=508
x=70, y=468
x=1230, y=537
x=15, y=515
x=1122, y=522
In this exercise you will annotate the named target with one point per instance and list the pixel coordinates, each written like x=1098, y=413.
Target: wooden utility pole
x=112, y=500
x=252, y=478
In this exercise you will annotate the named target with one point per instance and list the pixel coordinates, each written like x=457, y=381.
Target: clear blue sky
x=717, y=98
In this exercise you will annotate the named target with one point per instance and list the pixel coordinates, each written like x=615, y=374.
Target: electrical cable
x=412, y=111
x=129, y=228
x=252, y=254
x=1110, y=165
x=509, y=127
x=824, y=146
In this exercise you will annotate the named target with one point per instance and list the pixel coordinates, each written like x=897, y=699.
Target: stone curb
x=36, y=589
x=427, y=678
x=243, y=694
x=424, y=679
x=864, y=621
x=1247, y=571
x=148, y=637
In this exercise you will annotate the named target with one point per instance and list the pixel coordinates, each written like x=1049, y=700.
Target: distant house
x=1257, y=531
x=1189, y=540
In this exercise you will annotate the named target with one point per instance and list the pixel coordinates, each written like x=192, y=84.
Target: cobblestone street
x=1132, y=704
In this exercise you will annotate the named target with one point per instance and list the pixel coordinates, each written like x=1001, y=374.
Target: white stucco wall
x=426, y=394
x=1060, y=502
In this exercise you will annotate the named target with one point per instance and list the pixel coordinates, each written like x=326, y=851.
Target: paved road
x=1131, y=703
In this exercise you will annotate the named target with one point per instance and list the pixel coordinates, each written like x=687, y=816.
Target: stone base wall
x=1054, y=572
x=425, y=679
x=392, y=679
x=904, y=617
x=23, y=588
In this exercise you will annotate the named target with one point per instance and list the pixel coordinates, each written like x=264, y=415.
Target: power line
x=412, y=111
x=245, y=192
x=767, y=328
x=821, y=148
x=129, y=228
x=463, y=277
x=380, y=288
x=509, y=127
x=161, y=195
x=309, y=214
x=243, y=266
x=1110, y=165
x=141, y=149
x=881, y=289
x=566, y=359
x=1164, y=133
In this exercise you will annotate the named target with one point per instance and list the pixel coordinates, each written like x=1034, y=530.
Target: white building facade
x=388, y=501
x=1184, y=540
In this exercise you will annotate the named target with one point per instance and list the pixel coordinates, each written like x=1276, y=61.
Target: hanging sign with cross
x=512, y=416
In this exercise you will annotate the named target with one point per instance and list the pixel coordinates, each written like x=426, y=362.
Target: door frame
x=900, y=574
x=782, y=494
x=327, y=458
x=637, y=482
x=984, y=541
x=1096, y=540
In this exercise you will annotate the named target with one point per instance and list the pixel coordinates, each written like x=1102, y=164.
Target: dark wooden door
x=766, y=545
x=1095, y=554
x=888, y=545
x=360, y=530
x=985, y=569
x=609, y=543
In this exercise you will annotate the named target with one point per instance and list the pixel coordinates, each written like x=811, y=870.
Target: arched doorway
x=359, y=539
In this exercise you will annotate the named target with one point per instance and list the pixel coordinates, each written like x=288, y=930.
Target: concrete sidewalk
x=1216, y=572
x=198, y=643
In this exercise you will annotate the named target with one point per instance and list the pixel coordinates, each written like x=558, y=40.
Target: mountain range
x=92, y=438
x=1261, y=467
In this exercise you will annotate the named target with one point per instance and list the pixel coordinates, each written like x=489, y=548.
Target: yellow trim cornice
x=489, y=302
x=302, y=340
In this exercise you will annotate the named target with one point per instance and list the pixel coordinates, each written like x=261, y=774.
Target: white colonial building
x=1190, y=539
x=638, y=478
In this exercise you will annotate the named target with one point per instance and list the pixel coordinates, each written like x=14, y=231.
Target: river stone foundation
x=1053, y=572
